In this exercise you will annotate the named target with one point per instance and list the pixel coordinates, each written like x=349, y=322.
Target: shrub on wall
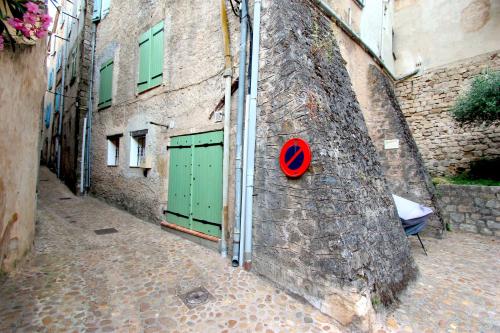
x=481, y=102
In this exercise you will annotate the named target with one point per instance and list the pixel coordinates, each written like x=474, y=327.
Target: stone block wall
x=473, y=209
x=333, y=235
x=403, y=165
x=447, y=147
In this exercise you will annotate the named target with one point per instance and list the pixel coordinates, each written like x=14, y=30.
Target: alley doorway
x=195, y=182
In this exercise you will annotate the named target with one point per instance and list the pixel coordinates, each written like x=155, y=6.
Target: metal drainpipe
x=239, y=131
x=332, y=15
x=82, y=162
x=228, y=73
x=61, y=109
x=90, y=107
x=251, y=140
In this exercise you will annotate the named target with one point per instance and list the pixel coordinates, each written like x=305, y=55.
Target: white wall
x=438, y=32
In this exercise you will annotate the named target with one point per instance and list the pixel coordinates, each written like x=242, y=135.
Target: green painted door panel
x=179, y=187
x=195, y=182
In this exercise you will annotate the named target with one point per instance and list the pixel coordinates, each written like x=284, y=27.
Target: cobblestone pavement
x=130, y=281
x=458, y=288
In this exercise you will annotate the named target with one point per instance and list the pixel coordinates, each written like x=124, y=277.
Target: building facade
x=67, y=96
x=158, y=139
x=22, y=86
x=464, y=45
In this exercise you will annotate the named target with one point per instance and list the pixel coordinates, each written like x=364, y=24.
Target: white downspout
x=82, y=162
x=252, y=129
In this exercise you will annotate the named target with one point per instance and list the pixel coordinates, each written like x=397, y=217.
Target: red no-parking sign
x=295, y=157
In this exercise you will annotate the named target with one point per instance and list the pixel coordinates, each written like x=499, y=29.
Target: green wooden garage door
x=195, y=182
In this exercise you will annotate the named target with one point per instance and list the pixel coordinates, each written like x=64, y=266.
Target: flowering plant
x=23, y=21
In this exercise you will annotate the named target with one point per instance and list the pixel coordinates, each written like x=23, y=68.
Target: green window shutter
x=104, y=8
x=96, y=11
x=156, y=70
x=144, y=61
x=106, y=85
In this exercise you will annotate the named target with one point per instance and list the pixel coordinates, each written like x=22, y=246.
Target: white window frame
x=113, y=150
x=137, y=150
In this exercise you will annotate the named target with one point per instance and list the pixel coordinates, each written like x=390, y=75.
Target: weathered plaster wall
x=446, y=146
x=438, y=32
x=22, y=86
x=332, y=236
x=192, y=87
x=473, y=209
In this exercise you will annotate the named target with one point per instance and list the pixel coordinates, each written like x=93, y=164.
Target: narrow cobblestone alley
x=129, y=281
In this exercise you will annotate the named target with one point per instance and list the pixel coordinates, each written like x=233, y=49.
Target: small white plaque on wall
x=391, y=144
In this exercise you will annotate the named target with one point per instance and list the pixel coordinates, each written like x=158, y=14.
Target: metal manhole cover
x=105, y=231
x=196, y=297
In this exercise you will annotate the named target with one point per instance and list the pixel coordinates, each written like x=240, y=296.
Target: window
x=151, y=58
x=113, y=149
x=48, y=111
x=57, y=106
x=51, y=80
x=106, y=85
x=101, y=9
x=74, y=54
x=137, y=147
x=59, y=60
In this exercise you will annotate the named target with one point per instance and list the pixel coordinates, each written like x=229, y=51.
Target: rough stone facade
x=192, y=86
x=76, y=91
x=446, y=146
x=473, y=209
x=22, y=85
x=403, y=166
x=332, y=236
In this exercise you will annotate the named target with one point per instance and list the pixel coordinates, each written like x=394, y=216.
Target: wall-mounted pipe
x=90, y=107
x=82, y=162
x=228, y=73
x=239, y=130
x=351, y=33
x=61, y=108
x=252, y=129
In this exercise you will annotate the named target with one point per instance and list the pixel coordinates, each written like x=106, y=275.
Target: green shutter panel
x=144, y=61
x=156, y=69
x=179, y=182
x=96, y=11
x=104, y=8
x=106, y=85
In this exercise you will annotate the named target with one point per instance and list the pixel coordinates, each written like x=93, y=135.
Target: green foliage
x=464, y=179
x=481, y=102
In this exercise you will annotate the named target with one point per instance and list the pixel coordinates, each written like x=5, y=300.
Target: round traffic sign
x=295, y=157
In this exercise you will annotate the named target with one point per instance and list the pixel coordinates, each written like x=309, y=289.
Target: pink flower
x=15, y=23
x=40, y=33
x=46, y=19
x=26, y=32
x=1, y=42
x=30, y=18
x=32, y=7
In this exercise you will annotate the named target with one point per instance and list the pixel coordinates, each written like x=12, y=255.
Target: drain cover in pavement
x=105, y=231
x=196, y=297
x=66, y=198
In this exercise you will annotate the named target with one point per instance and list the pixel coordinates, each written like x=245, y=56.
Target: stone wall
x=333, y=235
x=446, y=146
x=403, y=166
x=22, y=86
x=471, y=208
